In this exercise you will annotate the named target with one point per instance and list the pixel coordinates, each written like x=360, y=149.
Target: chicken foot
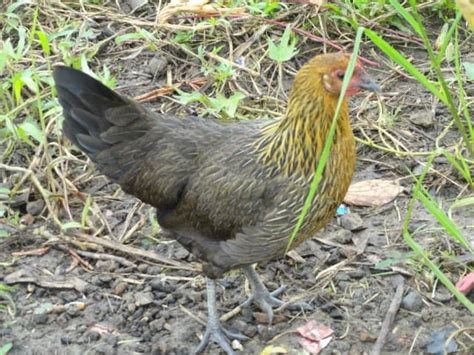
x=214, y=330
x=265, y=299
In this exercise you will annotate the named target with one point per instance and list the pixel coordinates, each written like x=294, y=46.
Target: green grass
x=38, y=161
x=461, y=117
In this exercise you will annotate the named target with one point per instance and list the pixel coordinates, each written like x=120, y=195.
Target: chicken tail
x=100, y=122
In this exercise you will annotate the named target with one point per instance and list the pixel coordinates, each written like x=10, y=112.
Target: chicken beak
x=367, y=83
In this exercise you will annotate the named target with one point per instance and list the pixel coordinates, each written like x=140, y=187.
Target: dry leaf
x=372, y=193
x=296, y=257
x=315, y=336
x=273, y=350
x=199, y=7
x=467, y=9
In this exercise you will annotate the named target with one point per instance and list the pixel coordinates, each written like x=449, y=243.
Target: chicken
x=231, y=192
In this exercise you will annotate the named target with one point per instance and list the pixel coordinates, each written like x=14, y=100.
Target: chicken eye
x=340, y=74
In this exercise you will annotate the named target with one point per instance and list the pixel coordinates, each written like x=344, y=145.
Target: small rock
x=105, y=278
x=157, y=65
x=143, y=298
x=74, y=308
x=106, y=265
x=143, y=268
x=158, y=284
x=68, y=296
x=423, y=119
x=266, y=333
x=352, y=222
x=40, y=318
x=65, y=340
x=443, y=296
x=367, y=338
x=131, y=307
x=262, y=318
x=120, y=288
x=412, y=302
x=93, y=336
x=103, y=348
x=343, y=236
x=356, y=274
x=154, y=270
x=336, y=314
x=34, y=208
x=157, y=324
x=181, y=253
x=236, y=345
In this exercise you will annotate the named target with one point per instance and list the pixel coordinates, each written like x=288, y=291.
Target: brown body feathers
x=230, y=193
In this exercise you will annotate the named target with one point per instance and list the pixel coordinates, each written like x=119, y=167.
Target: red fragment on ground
x=466, y=283
x=315, y=336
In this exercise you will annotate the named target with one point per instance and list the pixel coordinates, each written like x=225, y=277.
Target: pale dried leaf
x=372, y=193
x=314, y=331
x=315, y=336
x=273, y=350
x=296, y=257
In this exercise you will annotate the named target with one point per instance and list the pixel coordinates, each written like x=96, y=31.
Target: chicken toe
x=214, y=330
x=265, y=299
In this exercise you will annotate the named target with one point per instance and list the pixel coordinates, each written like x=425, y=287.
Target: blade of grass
x=419, y=250
x=422, y=195
x=393, y=54
x=327, y=145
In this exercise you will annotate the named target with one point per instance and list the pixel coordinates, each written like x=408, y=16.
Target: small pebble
x=236, y=345
x=40, y=318
x=35, y=207
x=157, y=324
x=412, y=302
x=343, y=236
x=143, y=298
x=120, y=288
x=367, y=338
x=352, y=222
x=158, y=284
x=93, y=336
x=157, y=65
x=143, y=268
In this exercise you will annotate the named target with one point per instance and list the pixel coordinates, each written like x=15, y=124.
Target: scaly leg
x=214, y=330
x=264, y=299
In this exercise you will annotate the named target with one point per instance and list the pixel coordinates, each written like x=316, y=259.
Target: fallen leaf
x=372, y=193
x=262, y=318
x=467, y=9
x=273, y=350
x=198, y=7
x=314, y=331
x=296, y=257
x=466, y=283
x=315, y=336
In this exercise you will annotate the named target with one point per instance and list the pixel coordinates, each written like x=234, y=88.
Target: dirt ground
x=111, y=301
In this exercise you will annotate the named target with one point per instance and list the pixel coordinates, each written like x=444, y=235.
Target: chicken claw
x=264, y=299
x=214, y=330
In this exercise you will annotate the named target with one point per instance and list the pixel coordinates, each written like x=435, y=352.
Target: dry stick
x=132, y=251
x=101, y=256
x=387, y=322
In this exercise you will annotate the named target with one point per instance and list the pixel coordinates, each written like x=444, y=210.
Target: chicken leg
x=263, y=298
x=214, y=330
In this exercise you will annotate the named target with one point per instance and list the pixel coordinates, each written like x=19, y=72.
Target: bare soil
x=143, y=306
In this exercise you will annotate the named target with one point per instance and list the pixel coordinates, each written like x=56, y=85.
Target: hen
x=229, y=192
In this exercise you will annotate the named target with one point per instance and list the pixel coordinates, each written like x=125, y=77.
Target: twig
x=132, y=251
x=387, y=322
x=101, y=256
